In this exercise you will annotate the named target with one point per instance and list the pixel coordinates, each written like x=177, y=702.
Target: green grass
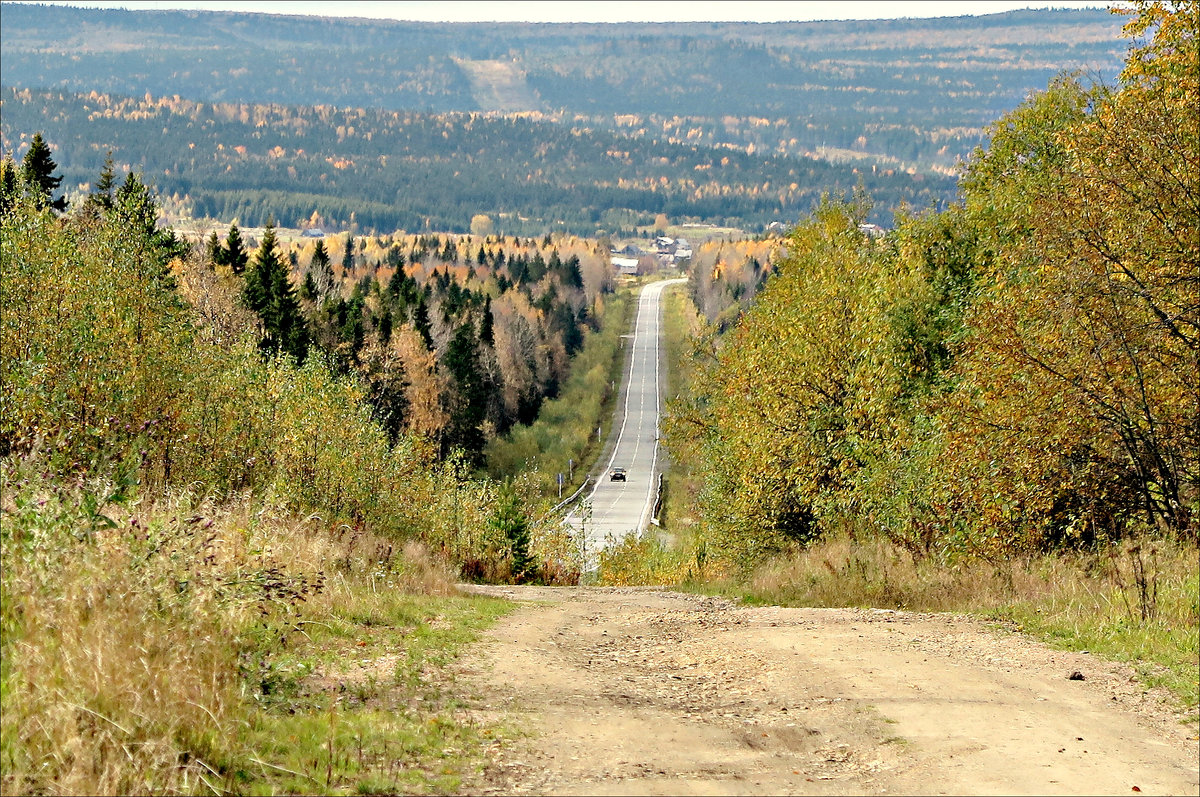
x=396, y=731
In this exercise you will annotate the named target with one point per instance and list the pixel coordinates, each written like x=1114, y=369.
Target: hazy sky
x=606, y=10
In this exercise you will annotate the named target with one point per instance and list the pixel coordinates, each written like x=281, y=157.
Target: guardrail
x=658, y=499
x=572, y=497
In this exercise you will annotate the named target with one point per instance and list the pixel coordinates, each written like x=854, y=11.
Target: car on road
x=616, y=475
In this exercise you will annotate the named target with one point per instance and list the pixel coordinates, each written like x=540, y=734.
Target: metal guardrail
x=557, y=507
x=658, y=499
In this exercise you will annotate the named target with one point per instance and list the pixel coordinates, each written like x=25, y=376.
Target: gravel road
x=647, y=691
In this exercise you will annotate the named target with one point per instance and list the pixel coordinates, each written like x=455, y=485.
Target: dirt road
x=646, y=691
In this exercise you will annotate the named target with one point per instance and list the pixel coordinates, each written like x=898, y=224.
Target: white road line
x=647, y=345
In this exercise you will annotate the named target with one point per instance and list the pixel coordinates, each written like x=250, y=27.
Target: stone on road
x=647, y=691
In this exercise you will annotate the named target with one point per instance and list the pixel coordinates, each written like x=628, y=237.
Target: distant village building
x=626, y=265
x=626, y=262
x=872, y=230
x=315, y=232
x=671, y=250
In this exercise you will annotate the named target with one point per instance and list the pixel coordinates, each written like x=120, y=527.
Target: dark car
x=616, y=475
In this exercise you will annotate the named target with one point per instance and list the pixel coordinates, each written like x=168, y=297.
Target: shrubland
x=991, y=408
x=203, y=515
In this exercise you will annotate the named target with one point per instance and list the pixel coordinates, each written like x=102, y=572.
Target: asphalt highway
x=615, y=509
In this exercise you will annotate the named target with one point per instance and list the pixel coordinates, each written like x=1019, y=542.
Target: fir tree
x=308, y=288
x=268, y=292
x=134, y=206
x=469, y=402
x=100, y=200
x=348, y=256
x=233, y=254
x=10, y=182
x=38, y=170
x=421, y=320
x=509, y=519
x=321, y=270
x=487, y=334
x=212, y=249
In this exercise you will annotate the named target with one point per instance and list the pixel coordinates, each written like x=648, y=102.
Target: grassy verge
x=175, y=645
x=683, y=327
x=566, y=426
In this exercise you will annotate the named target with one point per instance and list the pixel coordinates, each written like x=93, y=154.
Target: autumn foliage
x=1016, y=373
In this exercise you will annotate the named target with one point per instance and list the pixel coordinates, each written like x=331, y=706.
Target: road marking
x=647, y=333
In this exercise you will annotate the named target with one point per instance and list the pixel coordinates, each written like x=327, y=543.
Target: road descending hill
x=614, y=509
x=646, y=691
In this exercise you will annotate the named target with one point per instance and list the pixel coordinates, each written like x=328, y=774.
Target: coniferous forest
x=588, y=129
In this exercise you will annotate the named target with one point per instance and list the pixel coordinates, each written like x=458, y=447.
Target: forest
x=387, y=171
x=919, y=91
x=417, y=127
x=1013, y=375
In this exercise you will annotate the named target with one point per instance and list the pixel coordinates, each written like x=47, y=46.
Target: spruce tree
x=487, y=333
x=321, y=270
x=469, y=403
x=234, y=252
x=308, y=289
x=421, y=320
x=213, y=253
x=510, y=520
x=10, y=182
x=38, y=170
x=135, y=206
x=102, y=197
x=268, y=292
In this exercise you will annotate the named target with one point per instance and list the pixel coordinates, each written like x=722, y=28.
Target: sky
x=603, y=10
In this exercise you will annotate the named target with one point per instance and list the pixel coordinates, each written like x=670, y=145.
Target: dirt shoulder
x=647, y=691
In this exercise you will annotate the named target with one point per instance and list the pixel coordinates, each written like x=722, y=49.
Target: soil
x=648, y=691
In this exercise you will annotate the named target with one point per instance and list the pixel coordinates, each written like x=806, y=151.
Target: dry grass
x=155, y=647
x=1135, y=602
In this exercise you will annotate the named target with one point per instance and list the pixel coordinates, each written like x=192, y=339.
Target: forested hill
x=918, y=92
x=387, y=171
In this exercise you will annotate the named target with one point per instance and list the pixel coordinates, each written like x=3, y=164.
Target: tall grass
x=180, y=645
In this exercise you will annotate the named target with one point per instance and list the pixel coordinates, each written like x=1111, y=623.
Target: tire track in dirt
x=646, y=691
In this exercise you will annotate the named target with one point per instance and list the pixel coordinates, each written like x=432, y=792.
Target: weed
x=192, y=646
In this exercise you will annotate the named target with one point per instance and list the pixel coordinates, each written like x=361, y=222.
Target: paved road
x=615, y=509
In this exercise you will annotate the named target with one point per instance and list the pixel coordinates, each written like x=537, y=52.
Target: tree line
x=1017, y=373
x=424, y=172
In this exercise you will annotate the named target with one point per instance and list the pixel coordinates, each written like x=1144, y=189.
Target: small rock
x=1075, y=675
